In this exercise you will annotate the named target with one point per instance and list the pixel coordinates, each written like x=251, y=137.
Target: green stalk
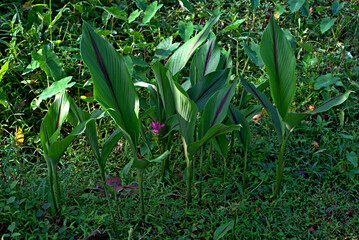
x=201, y=171
x=140, y=188
x=189, y=178
x=56, y=185
x=280, y=166
x=210, y=155
x=244, y=176
x=103, y=179
x=49, y=170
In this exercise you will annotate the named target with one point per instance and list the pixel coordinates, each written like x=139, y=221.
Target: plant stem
x=49, y=170
x=140, y=188
x=103, y=179
x=201, y=171
x=280, y=166
x=189, y=178
x=56, y=186
x=244, y=176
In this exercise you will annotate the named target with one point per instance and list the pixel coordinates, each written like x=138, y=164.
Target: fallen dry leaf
x=315, y=144
x=258, y=116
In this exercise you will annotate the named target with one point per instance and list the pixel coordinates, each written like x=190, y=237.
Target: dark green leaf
x=151, y=11
x=202, y=91
x=186, y=4
x=273, y=113
x=185, y=30
x=326, y=24
x=279, y=60
x=222, y=230
x=295, y=5
x=113, y=86
x=205, y=61
x=253, y=52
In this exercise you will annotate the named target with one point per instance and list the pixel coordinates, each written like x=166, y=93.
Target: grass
x=318, y=199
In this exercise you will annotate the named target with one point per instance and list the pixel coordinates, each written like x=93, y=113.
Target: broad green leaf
x=116, y=12
x=186, y=112
x=113, y=86
x=325, y=81
x=186, y=5
x=164, y=78
x=253, y=52
x=56, y=88
x=58, y=16
x=142, y=4
x=31, y=67
x=278, y=10
x=202, y=91
x=3, y=98
x=305, y=8
x=255, y=4
x=238, y=118
x=234, y=25
x=292, y=119
x=3, y=70
x=109, y=145
x=336, y=6
x=273, y=113
x=214, y=131
x=216, y=108
x=151, y=11
x=165, y=48
x=185, y=30
x=278, y=57
x=352, y=157
x=49, y=62
x=220, y=144
x=295, y=5
x=204, y=61
x=326, y=24
x=222, y=230
x=58, y=148
x=85, y=122
x=179, y=59
x=53, y=120
x=225, y=61
x=159, y=158
x=135, y=14
x=332, y=102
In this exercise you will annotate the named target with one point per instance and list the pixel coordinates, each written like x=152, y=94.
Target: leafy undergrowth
x=319, y=198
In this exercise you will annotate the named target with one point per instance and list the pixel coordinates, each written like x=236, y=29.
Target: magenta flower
x=156, y=127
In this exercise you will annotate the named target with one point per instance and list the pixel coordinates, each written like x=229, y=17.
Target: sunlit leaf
x=234, y=25
x=151, y=11
x=186, y=5
x=179, y=59
x=56, y=88
x=49, y=62
x=185, y=30
x=19, y=135
x=295, y=5
x=326, y=24
x=135, y=14
x=3, y=70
